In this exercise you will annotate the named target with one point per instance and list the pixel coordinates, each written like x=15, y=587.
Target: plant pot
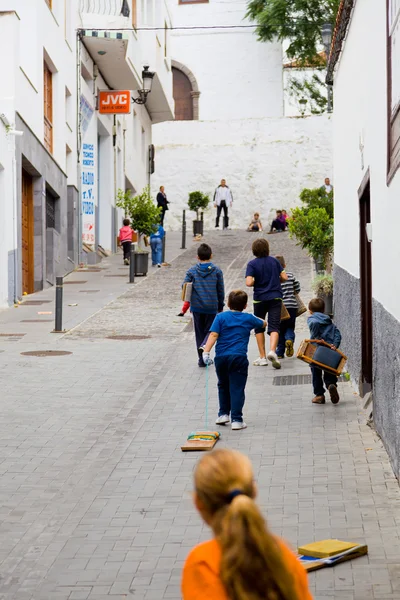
x=328, y=303
x=198, y=227
x=319, y=266
x=141, y=263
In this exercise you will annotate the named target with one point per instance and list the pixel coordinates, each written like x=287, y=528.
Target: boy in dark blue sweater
x=322, y=328
x=208, y=296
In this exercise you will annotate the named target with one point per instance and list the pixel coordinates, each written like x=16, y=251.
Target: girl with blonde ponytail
x=244, y=561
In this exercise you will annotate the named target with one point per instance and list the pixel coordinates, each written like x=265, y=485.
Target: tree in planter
x=141, y=210
x=313, y=229
x=323, y=288
x=198, y=200
x=317, y=198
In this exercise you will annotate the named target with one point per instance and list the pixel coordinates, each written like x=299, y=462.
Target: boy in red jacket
x=125, y=238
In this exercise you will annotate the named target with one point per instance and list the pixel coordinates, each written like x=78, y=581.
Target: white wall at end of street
x=266, y=162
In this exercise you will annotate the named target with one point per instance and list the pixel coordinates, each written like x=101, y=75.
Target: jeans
x=278, y=225
x=156, y=250
x=202, y=323
x=320, y=377
x=286, y=331
x=126, y=247
x=232, y=376
x=223, y=207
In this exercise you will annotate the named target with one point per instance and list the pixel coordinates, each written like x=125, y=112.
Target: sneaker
x=238, y=425
x=126, y=261
x=222, y=420
x=334, y=394
x=274, y=359
x=159, y=266
x=260, y=362
x=202, y=364
x=318, y=400
x=289, y=348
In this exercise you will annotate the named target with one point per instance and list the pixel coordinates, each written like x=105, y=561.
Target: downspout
x=79, y=144
x=15, y=245
x=114, y=131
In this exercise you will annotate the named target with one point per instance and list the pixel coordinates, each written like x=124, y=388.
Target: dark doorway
x=182, y=92
x=365, y=289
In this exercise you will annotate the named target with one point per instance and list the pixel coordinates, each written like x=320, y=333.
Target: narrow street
x=95, y=493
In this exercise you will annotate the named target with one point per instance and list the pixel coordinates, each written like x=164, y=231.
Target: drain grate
x=88, y=291
x=37, y=321
x=74, y=282
x=35, y=302
x=296, y=379
x=45, y=353
x=128, y=337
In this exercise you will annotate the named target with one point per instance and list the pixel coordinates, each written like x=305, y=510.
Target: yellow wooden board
x=200, y=441
x=326, y=548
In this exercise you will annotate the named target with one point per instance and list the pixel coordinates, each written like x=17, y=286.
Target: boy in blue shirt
x=322, y=328
x=231, y=332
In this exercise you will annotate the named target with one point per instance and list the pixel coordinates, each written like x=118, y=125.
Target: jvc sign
x=116, y=101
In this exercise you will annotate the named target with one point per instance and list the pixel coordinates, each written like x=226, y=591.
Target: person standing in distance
x=223, y=199
x=162, y=203
x=327, y=185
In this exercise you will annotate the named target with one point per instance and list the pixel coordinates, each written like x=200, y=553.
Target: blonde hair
x=252, y=567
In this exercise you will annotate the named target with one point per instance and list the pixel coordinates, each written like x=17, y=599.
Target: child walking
x=243, y=560
x=322, y=328
x=286, y=332
x=231, y=332
x=125, y=238
x=208, y=296
x=156, y=244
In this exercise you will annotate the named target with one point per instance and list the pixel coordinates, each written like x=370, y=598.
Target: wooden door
x=366, y=293
x=48, y=107
x=182, y=92
x=27, y=234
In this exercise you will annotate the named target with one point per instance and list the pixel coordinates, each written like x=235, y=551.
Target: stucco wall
x=266, y=163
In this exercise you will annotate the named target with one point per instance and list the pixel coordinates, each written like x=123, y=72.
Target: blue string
x=206, y=427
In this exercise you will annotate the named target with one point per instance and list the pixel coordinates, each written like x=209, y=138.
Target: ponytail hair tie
x=233, y=495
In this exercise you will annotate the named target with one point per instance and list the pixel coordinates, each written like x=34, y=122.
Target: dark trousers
x=232, y=377
x=319, y=377
x=202, y=323
x=286, y=331
x=223, y=207
x=278, y=225
x=126, y=247
x=162, y=215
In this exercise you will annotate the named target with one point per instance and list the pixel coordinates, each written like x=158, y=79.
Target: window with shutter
x=48, y=107
x=393, y=45
x=182, y=92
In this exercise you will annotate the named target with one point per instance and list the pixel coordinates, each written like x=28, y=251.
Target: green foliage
x=141, y=210
x=198, y=200
x=323, y=285
x=317, y=198
x=313, y=229
x=298, y=21
x=309, y=93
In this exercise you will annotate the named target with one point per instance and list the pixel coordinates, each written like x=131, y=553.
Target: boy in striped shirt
x=286, y=334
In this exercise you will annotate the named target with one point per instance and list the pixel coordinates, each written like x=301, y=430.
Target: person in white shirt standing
x=327, y=185
x=222, y=201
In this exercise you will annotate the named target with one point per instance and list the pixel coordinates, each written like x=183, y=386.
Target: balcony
x=109, y=8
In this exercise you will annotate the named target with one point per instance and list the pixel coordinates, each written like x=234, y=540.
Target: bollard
x=163, y=247
x=59, y=300
x=183, y=247
x=132, y=264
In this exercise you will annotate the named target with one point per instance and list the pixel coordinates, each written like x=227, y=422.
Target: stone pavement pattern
x=95, y=494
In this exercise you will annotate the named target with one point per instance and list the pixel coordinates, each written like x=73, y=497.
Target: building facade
x=62, y=162
x=364, y=68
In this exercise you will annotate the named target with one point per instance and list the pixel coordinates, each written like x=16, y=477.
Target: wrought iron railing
x=105, y=7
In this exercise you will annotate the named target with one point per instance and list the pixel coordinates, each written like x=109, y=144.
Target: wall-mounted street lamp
x=326, y=34
x=147, y=77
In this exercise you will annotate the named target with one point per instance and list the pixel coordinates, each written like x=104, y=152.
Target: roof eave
x=339, y=35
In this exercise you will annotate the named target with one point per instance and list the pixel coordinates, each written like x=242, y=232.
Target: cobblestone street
x=95, y=493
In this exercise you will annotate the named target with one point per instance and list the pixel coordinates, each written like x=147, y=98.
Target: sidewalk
x=95, y=492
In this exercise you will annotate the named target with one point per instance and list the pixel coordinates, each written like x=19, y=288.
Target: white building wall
x=266, y=163
x=361, y=119
x=236, y=74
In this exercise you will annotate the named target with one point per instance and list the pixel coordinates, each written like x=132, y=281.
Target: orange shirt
x=201, y=573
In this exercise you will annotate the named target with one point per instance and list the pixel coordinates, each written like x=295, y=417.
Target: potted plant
x=198, y=200
x=323, y=288
x=145, y=217
x=313, y=229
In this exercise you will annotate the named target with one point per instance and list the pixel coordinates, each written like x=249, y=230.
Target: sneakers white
x=260, y=362
x=274, y=359
x=222, y=420
x=238, y=425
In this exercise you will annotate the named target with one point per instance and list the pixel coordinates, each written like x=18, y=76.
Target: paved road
x=95, y=495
